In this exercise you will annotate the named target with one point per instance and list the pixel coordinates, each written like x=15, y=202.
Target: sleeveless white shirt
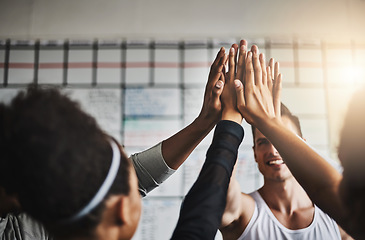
x=264, y=225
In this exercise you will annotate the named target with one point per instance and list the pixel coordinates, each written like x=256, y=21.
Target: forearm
x=203, y=206
x=178, y=147
x=314, y=173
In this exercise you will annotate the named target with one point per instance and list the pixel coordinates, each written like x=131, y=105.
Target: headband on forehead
x=105, y=187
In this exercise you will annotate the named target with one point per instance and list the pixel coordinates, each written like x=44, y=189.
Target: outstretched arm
x=202, y=209
x=261, y=107
x=177, y=148
x=240, y=207
x=155, y=165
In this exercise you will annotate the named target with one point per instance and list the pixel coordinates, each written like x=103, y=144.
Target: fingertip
x=242, y=48
x=249, y=54
x=254, y=49
x=235, y=46
x=243, y=42
x=220, y=52
x=262, y=56
x=232, y=50
x=237, y=83
x=219, y=84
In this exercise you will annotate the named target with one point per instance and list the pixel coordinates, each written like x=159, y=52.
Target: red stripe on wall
x=166, y=65
x=50, y=65
x=21, y=65
x=80, y=65
x=196, y=64
x=155, y=65
x=110, y=65
x=138, y=64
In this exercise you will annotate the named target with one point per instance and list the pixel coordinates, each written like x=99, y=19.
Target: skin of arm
x=260, y=106
x=178, y=147
x=202, y=209
x=239, y=207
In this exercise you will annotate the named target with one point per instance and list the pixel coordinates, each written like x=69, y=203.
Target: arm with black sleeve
x=203, y=207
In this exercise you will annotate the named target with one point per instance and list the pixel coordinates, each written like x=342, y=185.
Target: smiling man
x=280, y=209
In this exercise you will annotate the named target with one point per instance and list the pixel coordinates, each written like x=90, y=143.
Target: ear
x=123, y=210
x=126, y=217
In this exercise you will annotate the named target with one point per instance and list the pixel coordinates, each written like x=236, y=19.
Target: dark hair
x=57, y=157
x=284, y=112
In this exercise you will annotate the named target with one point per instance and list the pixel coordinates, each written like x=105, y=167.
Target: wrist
x=202, y=124
x=264, y=125
x=232, y=115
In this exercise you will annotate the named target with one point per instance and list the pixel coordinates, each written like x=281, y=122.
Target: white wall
x=30, y=19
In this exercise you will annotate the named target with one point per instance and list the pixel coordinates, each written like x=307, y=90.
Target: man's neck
x=285, y=196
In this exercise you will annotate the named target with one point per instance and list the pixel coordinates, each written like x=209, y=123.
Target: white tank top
x=264, y=225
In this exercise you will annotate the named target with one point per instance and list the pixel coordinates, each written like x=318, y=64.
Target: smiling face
x=269, y=161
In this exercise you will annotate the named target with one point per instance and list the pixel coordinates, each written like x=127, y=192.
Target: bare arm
x=344, y=235
x=233, y=207
x=178, y=147
x=260, y=106
x=239, y=207
x=238, y=212
x=155, y=165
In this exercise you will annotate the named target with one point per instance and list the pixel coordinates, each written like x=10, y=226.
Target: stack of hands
x=249, y=89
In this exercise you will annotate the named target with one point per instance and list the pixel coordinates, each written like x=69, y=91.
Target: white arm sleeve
x=151, y=168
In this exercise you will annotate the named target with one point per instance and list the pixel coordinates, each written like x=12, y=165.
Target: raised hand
x=259, y=98
x=211, y=111
x=178, y=147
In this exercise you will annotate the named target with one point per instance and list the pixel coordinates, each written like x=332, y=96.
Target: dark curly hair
x=56, y=157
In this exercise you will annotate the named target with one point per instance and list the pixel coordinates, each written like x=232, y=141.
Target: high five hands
x=251, y=88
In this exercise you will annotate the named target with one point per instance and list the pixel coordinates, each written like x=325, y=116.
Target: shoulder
x=324, y=221
x=248, y=203
x=27, y=227
x=238, y=226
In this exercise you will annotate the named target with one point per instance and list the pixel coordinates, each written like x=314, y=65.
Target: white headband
x=104, y=189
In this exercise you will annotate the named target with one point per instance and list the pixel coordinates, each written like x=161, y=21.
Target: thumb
x=216, y=93
x=218, y=88
x=241, y=103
